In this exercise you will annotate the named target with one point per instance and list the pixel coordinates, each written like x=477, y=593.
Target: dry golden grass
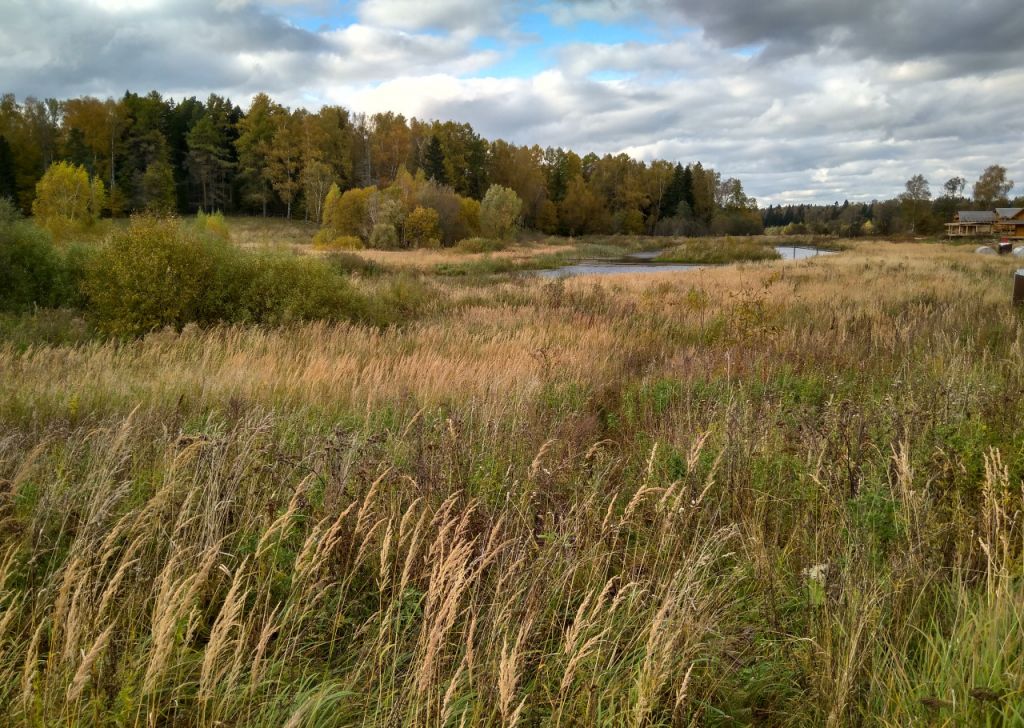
x=429, y=259
x=593, y=501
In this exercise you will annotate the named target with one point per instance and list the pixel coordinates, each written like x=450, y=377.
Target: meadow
x=774, y=493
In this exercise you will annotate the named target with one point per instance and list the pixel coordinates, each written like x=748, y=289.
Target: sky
x=803, y=100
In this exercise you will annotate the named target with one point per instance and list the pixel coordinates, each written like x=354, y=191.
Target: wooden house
x=972, y=223
x=1010, y=222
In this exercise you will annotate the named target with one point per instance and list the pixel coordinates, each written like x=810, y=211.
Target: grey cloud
x=973, y=35
x=843, y=101
x=66, y=48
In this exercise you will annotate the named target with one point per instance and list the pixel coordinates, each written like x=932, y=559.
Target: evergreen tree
x=433, y=162
x=256, y=131
x=208, y=161
x=158, y=190
x=673, y=193
x=8, y=172
x=687, y=188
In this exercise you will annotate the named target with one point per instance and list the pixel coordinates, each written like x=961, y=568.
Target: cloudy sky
x=804, y=100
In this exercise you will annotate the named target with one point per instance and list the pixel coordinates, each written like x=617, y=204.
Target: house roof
x=976, y=216
x=1008, y=213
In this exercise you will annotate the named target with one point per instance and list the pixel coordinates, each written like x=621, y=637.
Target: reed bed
x=773, y=494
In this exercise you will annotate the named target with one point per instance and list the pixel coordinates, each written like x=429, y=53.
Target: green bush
x=480, y=245
x=347, y=263
x=156, y=273
x=329, y=239
x=159, y=273
x=33, y=272
x=384, y=236
x=213, y=224
x=284, y=288
x=9, y=212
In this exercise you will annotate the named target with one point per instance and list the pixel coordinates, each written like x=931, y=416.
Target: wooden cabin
x=972, y=223
x=1010, y=222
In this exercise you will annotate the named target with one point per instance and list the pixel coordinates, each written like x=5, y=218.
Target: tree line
x=152, y=153
x=915, y=211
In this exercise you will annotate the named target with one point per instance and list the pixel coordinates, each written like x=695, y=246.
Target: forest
x=155, y=154
x=914, y=211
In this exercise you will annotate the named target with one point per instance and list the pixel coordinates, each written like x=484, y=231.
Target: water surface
x=644, y=263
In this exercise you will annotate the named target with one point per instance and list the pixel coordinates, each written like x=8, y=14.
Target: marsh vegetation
x=367, y=494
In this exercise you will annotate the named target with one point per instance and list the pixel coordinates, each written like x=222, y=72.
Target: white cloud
x=825, y=111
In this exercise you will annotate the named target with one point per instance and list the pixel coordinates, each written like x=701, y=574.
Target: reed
x=782, y=494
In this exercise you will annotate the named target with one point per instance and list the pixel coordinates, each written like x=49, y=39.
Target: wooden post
x=1018, y=287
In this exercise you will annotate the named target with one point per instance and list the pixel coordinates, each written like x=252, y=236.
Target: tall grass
x=714, y=251
x=782, y=495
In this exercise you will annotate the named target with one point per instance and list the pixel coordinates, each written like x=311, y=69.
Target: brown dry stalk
x=81, y=677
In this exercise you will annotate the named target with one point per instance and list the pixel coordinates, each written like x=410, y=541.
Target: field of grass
x=714, y=251
x=777, y=495
x=481, y=257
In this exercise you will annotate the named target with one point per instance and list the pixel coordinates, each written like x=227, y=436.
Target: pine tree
x=207, y=159
x=433, y=163
x=256, y=130
x=8, y=174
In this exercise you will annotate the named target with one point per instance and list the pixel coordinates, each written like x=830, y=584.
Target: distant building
x=1010, y=222
x=972, y=223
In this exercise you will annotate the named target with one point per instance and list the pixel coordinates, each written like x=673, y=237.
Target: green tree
x=348, y=213
x=914, y=201
x=256, y=134
x=581, y=211
x=101, y=123
x=433, y=162
x=8, y=171
x=421, y=229
x=992, y=188
x=66, y=200
x=317, y=180
x=158, y=189
x=499, y=212
x=704, y=188
x=284, y=159
x=208, y=161
x=954, y=187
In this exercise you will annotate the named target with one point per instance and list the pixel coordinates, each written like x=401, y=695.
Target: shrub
x=9, y=212
x=213, y=224
x=737, y=222
x=155, y=273
x=158, y=189
x=469, y=215
x=499, y=212
x=384, y=235
x=281, y=288
x=32, y=271
x=347, y=214
x=631, y=222
x=399, y=298
x=422, y=228
x=480, y=245
x=159, y=273
x=347, y=263
x=327, y=239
